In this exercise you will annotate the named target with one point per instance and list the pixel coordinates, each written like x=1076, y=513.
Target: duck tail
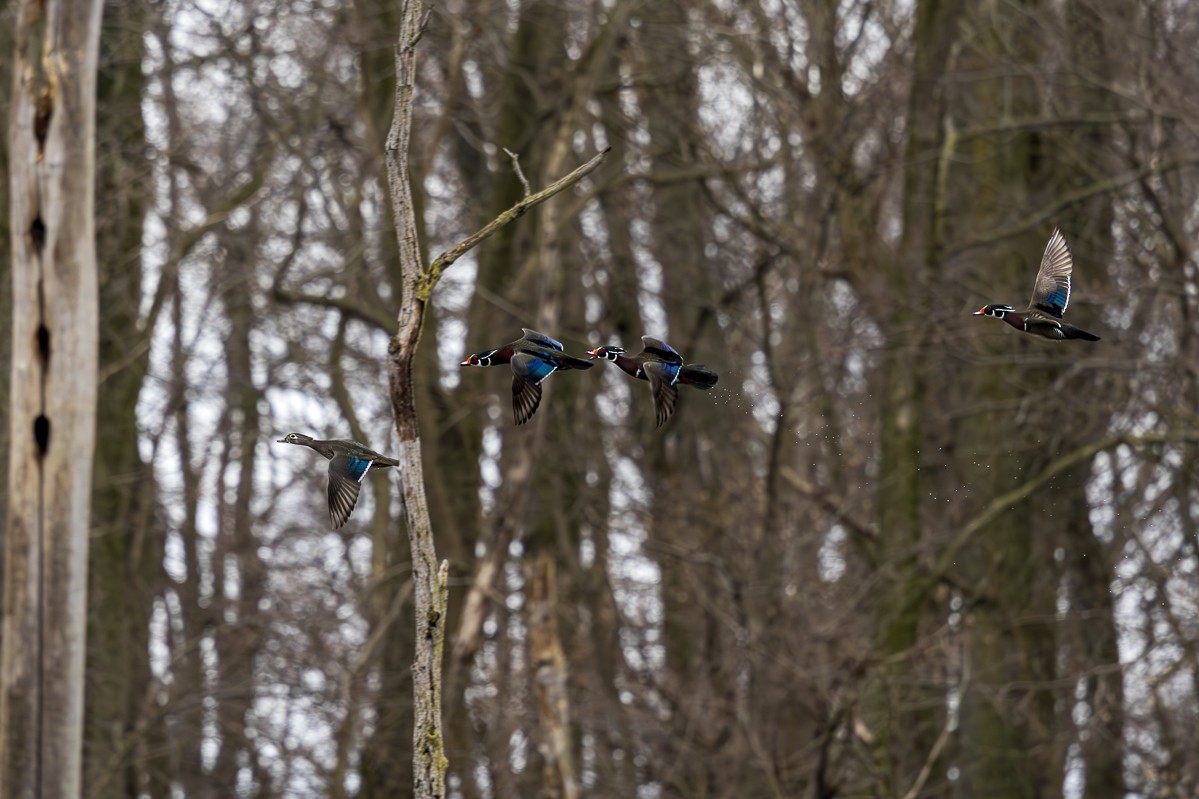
x=1074, y=332
x=698, y=375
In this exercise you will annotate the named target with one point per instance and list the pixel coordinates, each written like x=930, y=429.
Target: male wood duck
x=1050, y=296
x=533, y=357
x=661, y=365
x=349, y=462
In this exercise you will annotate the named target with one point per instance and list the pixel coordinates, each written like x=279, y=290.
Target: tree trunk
x=125, y=562
x=902, y=714
x=237, y=639
x=6, y=46
x=53, y=399
x=430, y=581
x=548, y=664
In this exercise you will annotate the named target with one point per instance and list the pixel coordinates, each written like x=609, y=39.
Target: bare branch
x=429, y=279
x=347, y=306
x=947, y=730
x=833, y=505
x=1005, y=502
x=1010, y=126
x=1047, y=214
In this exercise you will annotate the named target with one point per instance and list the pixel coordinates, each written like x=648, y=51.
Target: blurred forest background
x=898, y=551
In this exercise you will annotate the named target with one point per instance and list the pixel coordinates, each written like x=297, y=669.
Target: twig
x=431, y=275
x=831, y=504
x=950, y=725
x=520, y=174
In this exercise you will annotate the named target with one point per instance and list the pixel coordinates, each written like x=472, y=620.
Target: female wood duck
x=1050, y=296
x=349, y=462
x=663, y=367
x=533, y=357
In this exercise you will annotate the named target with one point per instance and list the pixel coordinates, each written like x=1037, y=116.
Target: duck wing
x=346, y=473
x=1051, y=293
x=663, y=380
x=542, y=340
x=528, y=371
x=657, y=348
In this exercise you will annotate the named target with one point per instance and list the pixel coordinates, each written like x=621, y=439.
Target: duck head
x=606, y=352
x=479, y=358
x=998, y=311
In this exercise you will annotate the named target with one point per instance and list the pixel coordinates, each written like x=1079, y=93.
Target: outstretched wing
x=542, y=339
x=527, y=373
x=660, y=349
x=1051, y=293
x=345, y=482
x=662, y=379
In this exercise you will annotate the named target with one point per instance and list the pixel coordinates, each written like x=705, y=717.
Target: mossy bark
x=903, y=712
x=125, y=563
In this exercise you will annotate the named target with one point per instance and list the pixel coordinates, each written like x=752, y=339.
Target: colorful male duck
x=349, y=462
x=663, y=367
x=1050, y=296
x=533, y=357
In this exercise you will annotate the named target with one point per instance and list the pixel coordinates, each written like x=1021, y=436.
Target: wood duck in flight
x=533, y=357
x=1050, y=296
x=349, y=462
x=662, y=366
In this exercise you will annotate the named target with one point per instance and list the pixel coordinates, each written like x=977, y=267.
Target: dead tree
x=53, y=397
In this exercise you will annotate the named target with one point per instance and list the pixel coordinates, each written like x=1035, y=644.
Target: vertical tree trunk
x=6, y=46
x=1007, y=715
x=52, y=422
x=903, y=715
x=548, y=664
x=430, y=582
x=418, y=281
x=1097, y=46
x=125, y=558
x=238, y=638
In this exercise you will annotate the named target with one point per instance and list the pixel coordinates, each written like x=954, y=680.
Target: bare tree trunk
x=6, y=44
x=238, y=639
x=548, y=661
x=430, y=583
x=429, y=579
x=53, y=400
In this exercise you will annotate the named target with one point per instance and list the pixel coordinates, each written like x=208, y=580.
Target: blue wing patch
x=671, y=370
x=534, y=370
x=349, y=467
x=1055, y=301
x=358, y=466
